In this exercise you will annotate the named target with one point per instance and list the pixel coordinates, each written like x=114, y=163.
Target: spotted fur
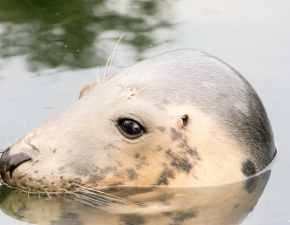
x=203, y=125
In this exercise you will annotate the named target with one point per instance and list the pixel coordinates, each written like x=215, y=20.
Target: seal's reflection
x=215, y=205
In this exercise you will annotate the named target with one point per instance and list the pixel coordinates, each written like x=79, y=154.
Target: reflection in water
x=216, y=205
x=61, y=33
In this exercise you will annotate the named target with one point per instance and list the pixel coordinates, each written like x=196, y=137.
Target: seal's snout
x=10, y=163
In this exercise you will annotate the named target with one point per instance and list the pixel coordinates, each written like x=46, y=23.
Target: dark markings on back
x=248, y=168
x=163, y=177
x=132, y=219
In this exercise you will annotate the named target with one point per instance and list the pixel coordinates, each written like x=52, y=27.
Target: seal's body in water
x=182, y=118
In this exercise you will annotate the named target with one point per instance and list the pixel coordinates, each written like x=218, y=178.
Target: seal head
x=182, y=118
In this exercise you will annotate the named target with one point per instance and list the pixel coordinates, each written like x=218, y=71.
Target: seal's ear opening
x=184, y=120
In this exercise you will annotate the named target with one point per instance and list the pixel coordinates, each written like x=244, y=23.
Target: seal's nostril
x=10, y=163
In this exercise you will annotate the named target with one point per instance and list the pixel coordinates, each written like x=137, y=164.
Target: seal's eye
x=131, y=128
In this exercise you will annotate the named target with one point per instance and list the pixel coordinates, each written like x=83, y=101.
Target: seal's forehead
x=181, y=68
x=183, y=76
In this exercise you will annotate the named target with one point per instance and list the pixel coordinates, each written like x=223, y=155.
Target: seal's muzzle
x=10, y=163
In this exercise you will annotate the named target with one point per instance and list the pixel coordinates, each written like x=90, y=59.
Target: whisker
x=113, y=54
x=48, y=195
x=72, y=196
x=25, y=125
x=69, y=193
x=105, y=71
x=38, y=193
x=95, y=192
x=96, y=199
x=8, y=141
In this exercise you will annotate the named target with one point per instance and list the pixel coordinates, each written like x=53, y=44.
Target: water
x=50, y=51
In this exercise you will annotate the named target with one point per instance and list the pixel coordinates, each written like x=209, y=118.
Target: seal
x=182, y=118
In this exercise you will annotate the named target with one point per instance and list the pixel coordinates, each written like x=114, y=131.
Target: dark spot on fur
x=54, y=151
x=83, y=171
x=163, y=199
x=137, y=155
x=182, y=164
x=175, y=135
x=34, y=148
x=237, y=206
x=180, y=217
x=248, y=168
x=251, y=184
x=168, y=214
x=68, y=218
x=158, y=148
x=96, y=177
x=142, y=162
x=162, y=129
x=132, y=174
x=61, y=168
x=168, y=152
x=109, y=146
x=39, y=181
x=192, y=152
x=132, y=219
x=36, y=171
x=166, y=101
x=163, y=177
x=182, y=143
x=100, y=174
x=107, y=169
